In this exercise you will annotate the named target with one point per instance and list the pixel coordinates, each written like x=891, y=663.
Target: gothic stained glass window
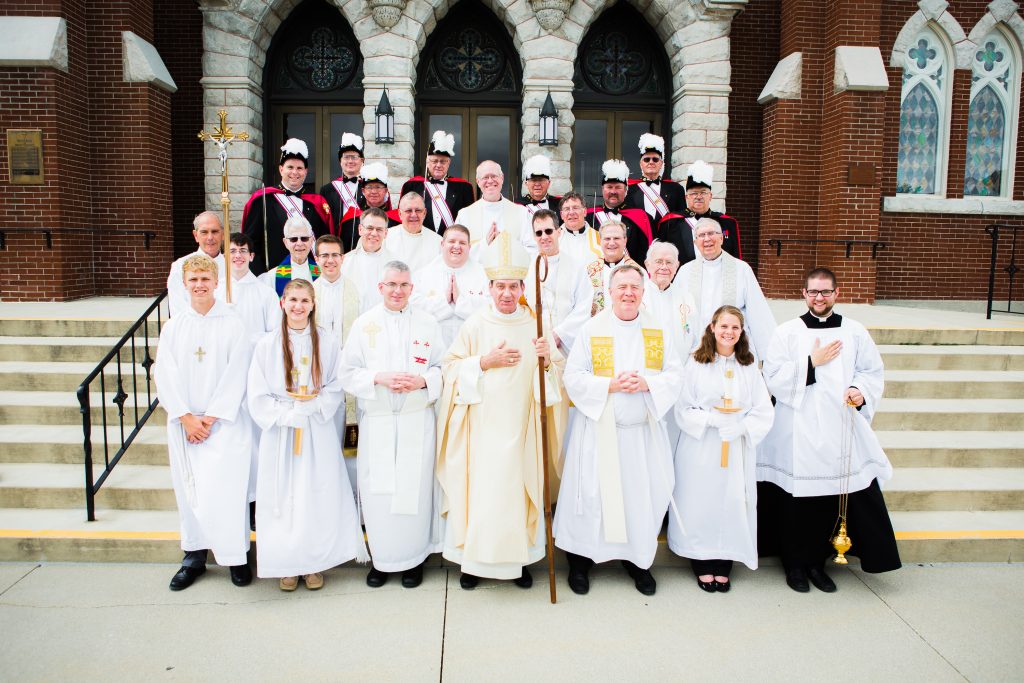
x=994, y=85
x=923, y=112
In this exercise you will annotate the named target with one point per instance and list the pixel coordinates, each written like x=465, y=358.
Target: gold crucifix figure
x=199, y=353
x=222, y=136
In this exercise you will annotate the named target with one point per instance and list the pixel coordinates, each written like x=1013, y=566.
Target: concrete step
x=62, y=444
x=11, y=327
x=980, y=536
x=54, y=376
x=974, y=414
x=952, y=357
x=130, y=487
x=61, y=408
x=951, y=336
x=69, y=349
x=952, y=384
x=955, y=489
x=953, y=449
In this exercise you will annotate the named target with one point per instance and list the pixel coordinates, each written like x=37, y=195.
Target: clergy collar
x=815, y=323
x=396, y=313
x=499, y=200
x=507, y=316
x=577, y=233
x=612, y=265
x=716, y=260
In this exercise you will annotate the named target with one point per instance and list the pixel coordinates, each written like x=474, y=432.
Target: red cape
x=638, y=216
x=318, y=202
x=421, y=179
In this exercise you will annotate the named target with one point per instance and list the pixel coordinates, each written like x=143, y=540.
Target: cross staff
x=222, y=136
x=544, y=426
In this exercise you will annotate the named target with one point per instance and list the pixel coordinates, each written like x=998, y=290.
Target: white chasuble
x=414, y=249
x=804, y=451
x=431, y=285
x=718, y=505
x=617, y=479
x=396, y=433
x=306, y=516
x=201, y=367
x=567, y=297
x=365, y=269
x=509, y=217
x=490, y=453
x=727, y=280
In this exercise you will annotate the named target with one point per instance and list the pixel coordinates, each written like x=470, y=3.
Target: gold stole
x=602, y=358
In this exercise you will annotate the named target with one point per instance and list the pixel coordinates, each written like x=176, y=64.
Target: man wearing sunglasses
x=298, y=264
x=657, y=196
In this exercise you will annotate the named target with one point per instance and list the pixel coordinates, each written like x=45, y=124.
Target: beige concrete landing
x=120, y=622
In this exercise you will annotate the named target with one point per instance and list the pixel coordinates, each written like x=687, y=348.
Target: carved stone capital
x=551, y=13
x=386, y=12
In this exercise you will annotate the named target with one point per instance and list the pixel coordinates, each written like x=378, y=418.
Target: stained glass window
x=994, y=85
x=923, y=111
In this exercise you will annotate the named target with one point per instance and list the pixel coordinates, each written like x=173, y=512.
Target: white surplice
x=200, y=369
x=803, y=453
x=307, y=517
x=430, y=291
x=617, y=479
x=365, y=269
x=510, y=217
x=583, y=246
x=727, y=280
x=177, y=295
x=397, y=488
x=415, y=250
x=567, y=297
x=718, y=505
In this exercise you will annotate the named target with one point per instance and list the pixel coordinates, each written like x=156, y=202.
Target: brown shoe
x=289, y=583
x=314, y=581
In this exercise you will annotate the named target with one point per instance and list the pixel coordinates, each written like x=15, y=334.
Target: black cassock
x=314, y=208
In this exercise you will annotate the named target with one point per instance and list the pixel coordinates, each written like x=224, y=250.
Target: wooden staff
x=544, y=426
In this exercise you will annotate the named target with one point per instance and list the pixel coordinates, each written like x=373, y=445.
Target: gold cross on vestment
x=295, y=377
x=372, y=330
x=199, y=353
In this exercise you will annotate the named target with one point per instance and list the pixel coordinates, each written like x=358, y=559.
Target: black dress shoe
x=642, y=578
x=241, y=575
x=185, y=576
x=708, y=586
x=525, y=580
x=820, y=579
x=376, y=578
x=468, y=581
x=723, y=587
x=579, y=582
x=796, y=578
x=413, y=577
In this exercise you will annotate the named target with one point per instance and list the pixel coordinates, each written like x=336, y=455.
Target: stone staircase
x=952, y=422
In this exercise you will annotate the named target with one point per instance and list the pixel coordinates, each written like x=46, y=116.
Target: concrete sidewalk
x=119, y=622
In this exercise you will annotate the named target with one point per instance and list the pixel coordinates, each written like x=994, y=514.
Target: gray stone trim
x=34, y=41
x=142, y=63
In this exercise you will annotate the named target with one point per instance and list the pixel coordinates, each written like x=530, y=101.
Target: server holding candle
x=724, y=411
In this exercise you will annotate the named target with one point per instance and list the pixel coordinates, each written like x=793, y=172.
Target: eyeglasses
x=663, y=262
x=814, y=293
x=414, y=211
x=545, y=231
x=303, y=239
x=404, y=286
x=650, y=160
x=239, y=252
x=708, y=235
x=490, y=176
x=571, y=209
x=349, y=157
x=329, y=255
x=438, y=162
x=368, y=228
x=701, y=193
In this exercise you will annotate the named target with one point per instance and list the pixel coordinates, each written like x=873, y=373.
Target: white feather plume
x=615, y=169
x=651, y=141
x=538, y=164
x=443, y=142
x=351, y=140
x=701, y=172
x=375, y=171
x=295, y=146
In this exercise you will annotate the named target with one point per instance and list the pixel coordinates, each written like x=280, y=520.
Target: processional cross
x=222, y=136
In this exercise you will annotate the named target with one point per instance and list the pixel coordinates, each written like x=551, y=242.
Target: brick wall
x=178, y=29
x=933, y=256
x=105, y=148
x=754, y=52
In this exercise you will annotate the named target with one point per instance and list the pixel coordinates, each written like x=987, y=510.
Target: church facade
x=878, y=137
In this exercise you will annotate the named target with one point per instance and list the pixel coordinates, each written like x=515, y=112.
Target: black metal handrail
x=92, y=486
x=1011, y=269
x=147, y=235
x=875, y=244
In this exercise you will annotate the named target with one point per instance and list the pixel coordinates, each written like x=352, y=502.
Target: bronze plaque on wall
x=25, y=156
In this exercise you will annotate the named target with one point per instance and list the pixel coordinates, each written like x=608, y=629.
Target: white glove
x=291, y=418
x=732, y=431
x=716, y=419
x=307, y=408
